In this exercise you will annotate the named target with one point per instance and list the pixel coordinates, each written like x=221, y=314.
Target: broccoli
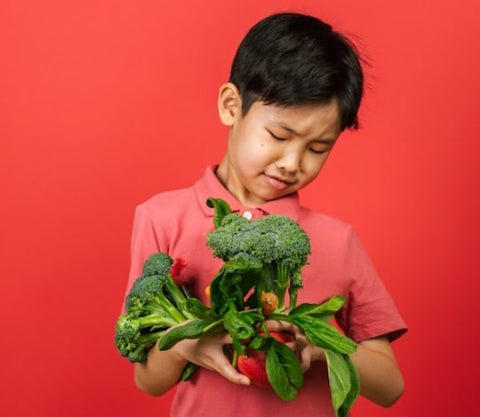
x=276, y=242
x=154, y=304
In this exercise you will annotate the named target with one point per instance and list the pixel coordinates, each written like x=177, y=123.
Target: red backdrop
x=103, y=104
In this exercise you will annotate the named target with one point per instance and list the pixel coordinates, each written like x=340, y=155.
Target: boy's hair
x=293, y=59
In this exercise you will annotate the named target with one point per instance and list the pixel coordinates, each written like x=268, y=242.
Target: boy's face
x=274, y=151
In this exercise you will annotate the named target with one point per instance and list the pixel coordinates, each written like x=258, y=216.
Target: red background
x=105, y=103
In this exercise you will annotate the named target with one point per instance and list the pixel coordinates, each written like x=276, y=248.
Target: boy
x=295, y=85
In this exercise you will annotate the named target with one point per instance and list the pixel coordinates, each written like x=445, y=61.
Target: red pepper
x=177, y=267
x=252, y=364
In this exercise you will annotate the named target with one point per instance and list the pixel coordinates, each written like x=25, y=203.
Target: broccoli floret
x=132, y=341
x=223, y=239
x=154, y=304
x=157, y=264
x=275, y=241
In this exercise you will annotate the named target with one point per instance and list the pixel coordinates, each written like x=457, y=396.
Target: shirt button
x=248, y=215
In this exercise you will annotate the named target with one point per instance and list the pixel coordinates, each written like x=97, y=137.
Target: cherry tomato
x=269, y=302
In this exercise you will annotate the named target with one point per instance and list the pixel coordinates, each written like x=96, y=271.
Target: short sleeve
x=144, y=242
x=370, y=310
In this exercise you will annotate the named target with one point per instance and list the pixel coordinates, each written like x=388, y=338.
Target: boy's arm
x=160, y=372
x=381, y=380
x=163, y=369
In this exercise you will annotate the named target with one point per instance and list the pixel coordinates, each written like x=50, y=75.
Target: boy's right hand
x=208, y=353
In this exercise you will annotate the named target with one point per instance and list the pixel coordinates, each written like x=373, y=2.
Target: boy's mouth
x=278, y=183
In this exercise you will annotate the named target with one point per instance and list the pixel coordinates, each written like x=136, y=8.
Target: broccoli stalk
x=153, y=305
x=276, y=279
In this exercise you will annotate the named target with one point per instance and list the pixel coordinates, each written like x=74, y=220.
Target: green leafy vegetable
x=153, y=305
x=191, y=330
x=283, y=370
x=221, y=209
x=263, y=260
x=344, y=382
x=322, y=334
x=324, y=311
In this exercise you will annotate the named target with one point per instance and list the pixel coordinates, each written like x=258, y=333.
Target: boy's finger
x=229, y=372
x=276, y=325
x=225, y=339
x=306, y=358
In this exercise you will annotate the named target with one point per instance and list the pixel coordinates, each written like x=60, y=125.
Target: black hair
x=292, y=59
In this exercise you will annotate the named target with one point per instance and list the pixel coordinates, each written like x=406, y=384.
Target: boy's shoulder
x=324, y=226
x=178, y=194
x=314, y=215
x=170, y=201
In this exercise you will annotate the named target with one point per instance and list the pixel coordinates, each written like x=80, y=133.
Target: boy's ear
x=229, y=104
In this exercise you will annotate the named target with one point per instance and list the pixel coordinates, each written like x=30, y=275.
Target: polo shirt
x=177, y=222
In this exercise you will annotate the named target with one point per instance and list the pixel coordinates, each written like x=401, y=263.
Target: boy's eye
x=276, y=137
x=318, y=151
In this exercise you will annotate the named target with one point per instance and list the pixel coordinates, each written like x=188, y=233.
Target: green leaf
x=323, y=334
x=344, y=382
x=200, y=310
x=258, y=343
x=354, y=391
x=190, y=330
x=188, y=371
x=325, y=310
x=240, y=327
x=231, y=284
x=221, y=208
x=283, y=370
x=213, y=328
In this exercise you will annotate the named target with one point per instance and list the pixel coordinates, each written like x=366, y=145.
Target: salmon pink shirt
x=177, y=222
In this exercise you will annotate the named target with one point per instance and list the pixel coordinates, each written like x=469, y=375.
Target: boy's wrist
x=172, y=356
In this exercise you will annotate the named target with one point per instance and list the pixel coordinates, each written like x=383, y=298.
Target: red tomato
x=252, y=364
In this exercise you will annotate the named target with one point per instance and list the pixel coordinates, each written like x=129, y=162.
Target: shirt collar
x=209, y=186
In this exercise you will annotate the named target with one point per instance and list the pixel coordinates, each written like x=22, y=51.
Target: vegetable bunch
x=153, y=305
x=263, y=260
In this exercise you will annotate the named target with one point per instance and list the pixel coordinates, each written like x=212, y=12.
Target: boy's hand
x=208, y=353
x=307, y=353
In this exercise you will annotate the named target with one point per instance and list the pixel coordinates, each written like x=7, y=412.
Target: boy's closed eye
x=319, y=151
x=317, y=148
x=276, y=137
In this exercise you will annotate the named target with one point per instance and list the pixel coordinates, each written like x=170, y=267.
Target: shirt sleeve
x=370, y=310
x=144, y=242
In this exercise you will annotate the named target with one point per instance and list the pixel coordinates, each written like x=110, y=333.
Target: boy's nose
x=289, y=163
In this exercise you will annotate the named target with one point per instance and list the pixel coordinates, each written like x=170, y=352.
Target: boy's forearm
x=160, y=372
x=380, y=377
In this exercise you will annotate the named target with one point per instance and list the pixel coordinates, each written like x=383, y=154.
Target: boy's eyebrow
x=320, y=140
